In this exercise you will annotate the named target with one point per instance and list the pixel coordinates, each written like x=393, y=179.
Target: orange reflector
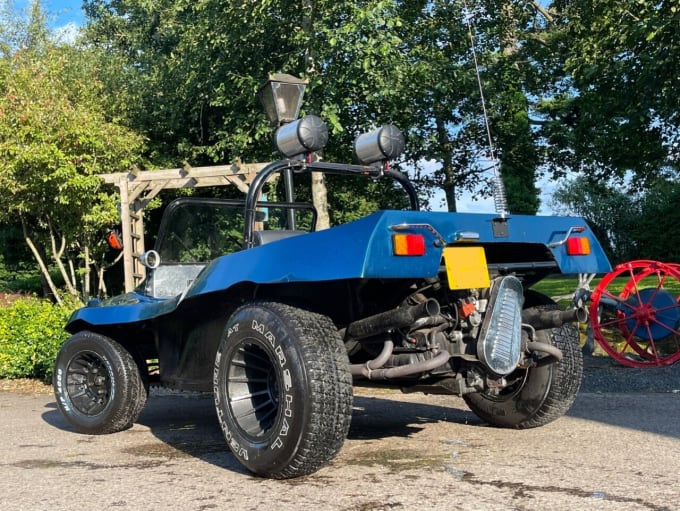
x=114, y=240
x=578, y=246
x=408, y=244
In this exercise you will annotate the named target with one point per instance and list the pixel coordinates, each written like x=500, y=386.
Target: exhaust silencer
x=397, y=318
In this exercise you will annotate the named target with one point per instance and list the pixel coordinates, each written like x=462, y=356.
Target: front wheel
x=283, y=389
x=538, y=395
x=97, y=384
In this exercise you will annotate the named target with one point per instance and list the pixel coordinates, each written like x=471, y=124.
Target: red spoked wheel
x=640, y=325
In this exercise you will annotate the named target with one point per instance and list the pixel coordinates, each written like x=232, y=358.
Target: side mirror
x=150, y=259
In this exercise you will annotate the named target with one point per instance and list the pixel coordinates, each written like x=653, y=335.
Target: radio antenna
x=499, y=197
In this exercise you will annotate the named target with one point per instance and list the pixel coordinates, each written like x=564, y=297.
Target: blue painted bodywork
x=358, y=250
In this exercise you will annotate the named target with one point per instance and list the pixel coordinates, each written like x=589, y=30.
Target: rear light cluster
x=408, y=244
x=578, y=246
x=575, y=245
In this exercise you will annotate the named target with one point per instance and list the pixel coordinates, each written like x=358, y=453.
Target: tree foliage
x=613, y=109
x=609, y=209
x=586, y=86
x=55, y=138
x=630, y=225
x=194, y=69
x=655, y=228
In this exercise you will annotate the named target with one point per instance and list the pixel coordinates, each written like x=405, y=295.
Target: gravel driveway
x=602, y=374
x=617, y=449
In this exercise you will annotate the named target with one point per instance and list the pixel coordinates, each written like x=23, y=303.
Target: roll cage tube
x=327, y=168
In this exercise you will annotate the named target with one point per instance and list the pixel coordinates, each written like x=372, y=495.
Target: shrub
x=31, y=333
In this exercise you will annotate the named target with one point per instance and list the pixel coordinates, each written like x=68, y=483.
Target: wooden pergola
x=138, y=187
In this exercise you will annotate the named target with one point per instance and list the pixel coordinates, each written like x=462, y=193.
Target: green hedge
x=31, y=333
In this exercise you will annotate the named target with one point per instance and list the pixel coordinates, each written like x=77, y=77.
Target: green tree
x=609, y=208
x=656, y=229
x=437, y=100
x=630, y=224
x=192, y=71
x=54, y=140
x=574, y=86
x=613, y=109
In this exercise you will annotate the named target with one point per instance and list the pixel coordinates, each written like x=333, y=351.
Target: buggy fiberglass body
x=245, y=300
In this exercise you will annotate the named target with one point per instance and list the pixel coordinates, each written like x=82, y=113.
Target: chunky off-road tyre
x=97, y=384
x=538, y=395
x=283, y=389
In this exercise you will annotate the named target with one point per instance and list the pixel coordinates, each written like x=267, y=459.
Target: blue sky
x=60, y=12
x=65, y=11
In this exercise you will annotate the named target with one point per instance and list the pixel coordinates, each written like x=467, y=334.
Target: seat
x=264, y=237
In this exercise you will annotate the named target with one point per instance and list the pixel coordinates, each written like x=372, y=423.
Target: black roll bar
x=288, y=167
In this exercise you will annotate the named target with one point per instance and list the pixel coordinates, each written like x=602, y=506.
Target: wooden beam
x=183, y=177
x=138, y=187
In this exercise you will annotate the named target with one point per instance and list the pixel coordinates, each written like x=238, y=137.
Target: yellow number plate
x=466, y=267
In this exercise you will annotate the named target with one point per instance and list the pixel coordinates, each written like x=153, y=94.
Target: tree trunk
x=319, y=190
x=86, y=274
x=57, y=255
x=102, y=290
x=449, y=184
x=320, y=200
x=449, y=188
x=101, y=285
x=41, y=263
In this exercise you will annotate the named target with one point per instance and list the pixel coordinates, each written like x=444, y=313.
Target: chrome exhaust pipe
x=541, y=320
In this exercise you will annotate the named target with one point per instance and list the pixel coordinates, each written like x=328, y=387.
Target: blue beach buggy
x=246, y=300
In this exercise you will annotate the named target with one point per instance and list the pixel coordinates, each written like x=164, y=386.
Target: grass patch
x=561, y=285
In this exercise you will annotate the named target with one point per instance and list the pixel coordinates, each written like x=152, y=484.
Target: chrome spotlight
x=306, y=135
x=380, y=145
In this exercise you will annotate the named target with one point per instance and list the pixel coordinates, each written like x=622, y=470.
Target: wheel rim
x=639, y=326
x=252, y=389
x=88, y=383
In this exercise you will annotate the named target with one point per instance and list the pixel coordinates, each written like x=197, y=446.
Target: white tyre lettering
x=288, y=412
x=270, y=337
x=258, y=327
x=284, y=428
x=279, y=353
x=287, y=380
x=60, y=390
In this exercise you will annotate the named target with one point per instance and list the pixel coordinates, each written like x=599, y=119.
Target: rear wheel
x=538, y=395
x=97, y=384
x=283, y=390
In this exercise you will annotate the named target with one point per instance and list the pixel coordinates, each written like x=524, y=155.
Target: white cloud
x=67, y=34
